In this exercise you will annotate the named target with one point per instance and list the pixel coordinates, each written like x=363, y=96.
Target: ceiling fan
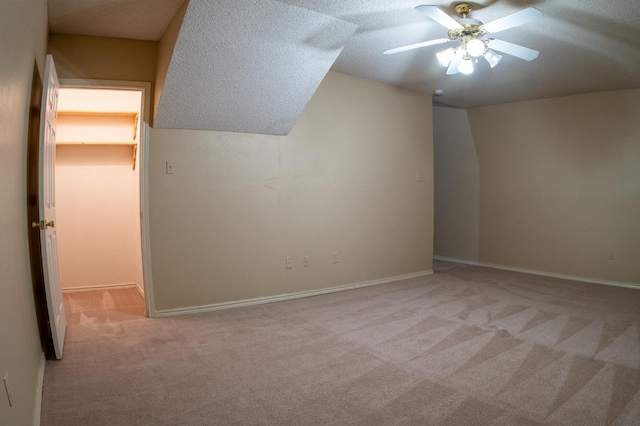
x=472, y=35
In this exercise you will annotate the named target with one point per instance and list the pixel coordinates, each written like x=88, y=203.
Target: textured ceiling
x=585, y=45
x=230, y=72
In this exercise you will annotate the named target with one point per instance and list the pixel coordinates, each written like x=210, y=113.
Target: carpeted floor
x=466, y=346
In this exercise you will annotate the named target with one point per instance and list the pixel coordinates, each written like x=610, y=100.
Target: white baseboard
x=540, y=273
x=99, y=287
x=282, y=297
x=37, y=409
x=140, y=290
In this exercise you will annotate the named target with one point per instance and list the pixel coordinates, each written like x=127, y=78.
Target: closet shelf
x=99, y=113
x=133, y=145
x=135, y=116
x=67, y=143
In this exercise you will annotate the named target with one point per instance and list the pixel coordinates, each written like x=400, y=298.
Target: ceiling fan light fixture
x=475, y=47
x=445, y=56
x=466, y=65
x=492, y=58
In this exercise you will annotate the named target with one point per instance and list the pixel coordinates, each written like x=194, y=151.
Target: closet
x=97, y=189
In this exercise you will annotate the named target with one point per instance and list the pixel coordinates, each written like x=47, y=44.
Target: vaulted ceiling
x=264, y=59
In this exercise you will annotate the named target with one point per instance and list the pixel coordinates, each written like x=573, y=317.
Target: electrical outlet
x=421, y=177
x=335, y=257
x=289, y=262
x=170, y=168
x=612, y=255
x=7, y=387
x=307, y=261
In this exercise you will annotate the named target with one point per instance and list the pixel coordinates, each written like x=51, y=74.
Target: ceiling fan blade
x=453, y=65
x=416, y=46
x=513, y=49
x=440, y=17
x=522, y=17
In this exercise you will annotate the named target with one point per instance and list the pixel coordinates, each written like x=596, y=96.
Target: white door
x=47, y=206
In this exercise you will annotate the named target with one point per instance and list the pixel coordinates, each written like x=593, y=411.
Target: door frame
x=143, y=155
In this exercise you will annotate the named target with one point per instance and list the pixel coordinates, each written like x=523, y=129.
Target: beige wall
x=343, y=180
x=23, y=31
x=104, y=58
x=457, y=186
x=98, y=231
x=560, y=184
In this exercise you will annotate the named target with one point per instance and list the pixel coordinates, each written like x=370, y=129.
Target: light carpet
x=465, y=346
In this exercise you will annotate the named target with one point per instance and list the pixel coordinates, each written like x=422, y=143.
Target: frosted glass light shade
x=466, y=66
x=445, y=56
x=492, y=58
x=475, y=48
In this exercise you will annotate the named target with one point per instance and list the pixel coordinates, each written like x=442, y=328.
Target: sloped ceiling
x=585, y=46
x=135, y=19
x=231, y=72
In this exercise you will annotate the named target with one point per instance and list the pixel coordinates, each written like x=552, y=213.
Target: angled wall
x=457, y=186
x=166, y=45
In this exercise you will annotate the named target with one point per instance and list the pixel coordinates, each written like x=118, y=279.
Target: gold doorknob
x=43, y=224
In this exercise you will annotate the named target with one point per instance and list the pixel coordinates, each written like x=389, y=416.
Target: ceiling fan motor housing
x=470, y=27
x=463, y=9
